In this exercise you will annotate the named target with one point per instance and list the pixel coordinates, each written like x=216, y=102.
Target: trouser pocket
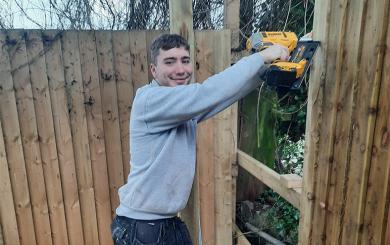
x=120, y=232
x=149, y=233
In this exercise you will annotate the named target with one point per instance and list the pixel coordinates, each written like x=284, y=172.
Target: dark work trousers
x=171, y=231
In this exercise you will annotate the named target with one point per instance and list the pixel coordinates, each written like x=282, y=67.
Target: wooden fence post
x=181, y=22
x=232, y=22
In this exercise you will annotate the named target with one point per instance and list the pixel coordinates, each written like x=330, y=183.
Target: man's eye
x=169, y=62
x=186, y=61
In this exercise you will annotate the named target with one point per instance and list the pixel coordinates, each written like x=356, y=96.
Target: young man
x=163, y=123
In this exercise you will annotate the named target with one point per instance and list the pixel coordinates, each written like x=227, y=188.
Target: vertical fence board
x=9, y=226
x=74, y=87
x=48, y=146
x=343, y=202
x=13, y=144
x=231, y=16
x=89, y=69
x=1, y=234
x=139, y=60
x=346, y=76
x=329, y=113
x=364, y=116
x=314, y=117
x=205, y=142
x=110, y=115
x=30, y=140
x=386, y=233
x=122, y=64
x=225, y=149
x=376, y=204
x=63, y=136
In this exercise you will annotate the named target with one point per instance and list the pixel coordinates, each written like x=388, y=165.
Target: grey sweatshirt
x=163, y=137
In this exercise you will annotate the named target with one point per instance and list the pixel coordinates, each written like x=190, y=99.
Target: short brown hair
x=167, y=42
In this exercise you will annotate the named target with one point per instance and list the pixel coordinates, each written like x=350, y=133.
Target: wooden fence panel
x=30, y=140
x=74, y=88
x=386, y=239
x=1, y=234
x=376, y=204
x=346, y=170
x=110, y=115
x=63, y=135
x=122, y=61
x=48, y=146
x=93, y=108
x=345, y=77
x=13, y=143
x=364, y=115
x=65, y=100
x=9, y=226
x=139, y=59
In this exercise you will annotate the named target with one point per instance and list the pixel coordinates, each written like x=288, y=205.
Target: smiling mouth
x=180, y=78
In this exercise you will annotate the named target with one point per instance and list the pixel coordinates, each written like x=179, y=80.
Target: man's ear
x=153, y=69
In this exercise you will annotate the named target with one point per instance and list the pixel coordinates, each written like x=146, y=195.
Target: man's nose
x=180, y=68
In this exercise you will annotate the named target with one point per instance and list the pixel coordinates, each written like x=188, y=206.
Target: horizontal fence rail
x=287, y=186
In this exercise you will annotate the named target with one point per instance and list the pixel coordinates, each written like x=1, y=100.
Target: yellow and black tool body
x=288, y=74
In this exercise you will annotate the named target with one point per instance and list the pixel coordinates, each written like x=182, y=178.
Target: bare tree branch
x=27, y=16
x=266, y=15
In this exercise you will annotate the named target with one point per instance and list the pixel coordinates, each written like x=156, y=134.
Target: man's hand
x=275, y=52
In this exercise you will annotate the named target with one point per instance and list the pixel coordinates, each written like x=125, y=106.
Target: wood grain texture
x=93, y=109
x=63, y=135
x=15, y=68
x=122, y=64
x=205, y=144
x=9, y=226
x=225, y=149
x=110, y=114
x=30, y=140
x=345, y=128
x=76, y=107
x=376, y=204
x=231, y=20
x=48, y=147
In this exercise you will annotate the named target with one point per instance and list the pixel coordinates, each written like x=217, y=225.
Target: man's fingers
x=275, y=52
x=285, y=54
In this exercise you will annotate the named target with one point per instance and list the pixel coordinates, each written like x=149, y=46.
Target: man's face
x=173, y=67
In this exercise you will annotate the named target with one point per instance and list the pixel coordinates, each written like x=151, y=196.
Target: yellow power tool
x=289, y=73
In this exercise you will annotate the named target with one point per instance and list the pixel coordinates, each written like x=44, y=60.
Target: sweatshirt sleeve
x=165, y=107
